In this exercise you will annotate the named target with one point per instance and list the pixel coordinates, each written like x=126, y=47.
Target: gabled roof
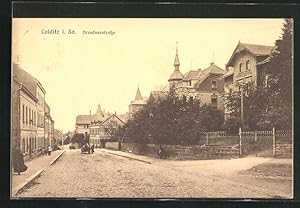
x=254, y=49
x=30, y=82
x=113, y=115
x=25, y=90
x=212, y=69
x=87, y=119
x=192, y=74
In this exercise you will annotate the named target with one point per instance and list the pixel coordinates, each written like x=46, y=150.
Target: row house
x=28, y=113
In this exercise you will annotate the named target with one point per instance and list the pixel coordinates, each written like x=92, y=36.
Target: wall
x=178, y=152
x=112, y=145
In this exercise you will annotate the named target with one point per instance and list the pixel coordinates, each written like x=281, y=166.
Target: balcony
x=243, y=74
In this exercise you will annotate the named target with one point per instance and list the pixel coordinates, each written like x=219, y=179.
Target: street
x=104, y=175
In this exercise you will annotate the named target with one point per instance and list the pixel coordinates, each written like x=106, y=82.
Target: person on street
x=49, y=150
x=19, y=165
x=92, y=148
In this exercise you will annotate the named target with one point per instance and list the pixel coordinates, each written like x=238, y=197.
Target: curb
x=56, y=158
x=27, y=181
x=127, y=157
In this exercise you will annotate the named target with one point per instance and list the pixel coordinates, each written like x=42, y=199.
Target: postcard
x=152, y=108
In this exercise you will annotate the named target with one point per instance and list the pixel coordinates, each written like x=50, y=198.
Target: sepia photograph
x=196, y=108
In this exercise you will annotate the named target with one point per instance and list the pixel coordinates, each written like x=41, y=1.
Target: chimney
x=211, y=63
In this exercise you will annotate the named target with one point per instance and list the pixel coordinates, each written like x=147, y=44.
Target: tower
x=176, y=76
x=136, y=104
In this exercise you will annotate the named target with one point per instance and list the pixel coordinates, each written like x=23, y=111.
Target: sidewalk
x=133, y=156
x=34, y=166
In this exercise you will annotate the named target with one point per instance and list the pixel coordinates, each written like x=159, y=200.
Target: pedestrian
x=19, y=165
x=92, y=148
x=49, y=150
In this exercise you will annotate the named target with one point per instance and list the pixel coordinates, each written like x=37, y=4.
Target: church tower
x=176, y=76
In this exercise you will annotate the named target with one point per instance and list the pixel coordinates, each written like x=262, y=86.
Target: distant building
x=205, y=85
x=83, y=122
x=104, y=128
x=137, y=104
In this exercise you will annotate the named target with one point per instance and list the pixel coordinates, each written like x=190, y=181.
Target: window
x=241, y=67
x=214, y=100
x=23, y=145
x=26, y=115
x=184, y=98
x=213, y=84
x=247, y=65
x=190, y=82
x=23, y=113
x=191, y=99
x=29, y=115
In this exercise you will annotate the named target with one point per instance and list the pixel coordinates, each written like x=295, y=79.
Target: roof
x=25, y=90
x=176, y=75
x=26, y=79
x=254, y=49
x=228, y=73
x=86, y=119
x=192, y=74
x=138, y=95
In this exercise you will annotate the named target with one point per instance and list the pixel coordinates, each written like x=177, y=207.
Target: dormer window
x=248, y=65
x=241, y=67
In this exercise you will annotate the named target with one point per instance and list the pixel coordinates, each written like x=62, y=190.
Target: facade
x=246, y=65
x=28, y=113
x=205, y=85
x=24, y=125
x=103, y=129
x=137, y=104
x=83, y=122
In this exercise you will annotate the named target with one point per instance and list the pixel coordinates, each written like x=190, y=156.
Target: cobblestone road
x=103, y=175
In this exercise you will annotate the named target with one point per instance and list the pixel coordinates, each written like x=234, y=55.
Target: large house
x=246, y=65
x=28, y=113
x=205, y=85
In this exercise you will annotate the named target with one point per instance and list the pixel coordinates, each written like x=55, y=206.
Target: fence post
x=274, y=142
x=240, y=141
x=206, y=138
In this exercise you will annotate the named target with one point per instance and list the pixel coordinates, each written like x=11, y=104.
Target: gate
x=260, y=143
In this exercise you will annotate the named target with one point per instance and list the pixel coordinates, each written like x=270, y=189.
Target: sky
x=80, y=71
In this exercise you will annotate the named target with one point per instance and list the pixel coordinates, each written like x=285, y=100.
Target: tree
x=171, y=120
x=280, y=83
